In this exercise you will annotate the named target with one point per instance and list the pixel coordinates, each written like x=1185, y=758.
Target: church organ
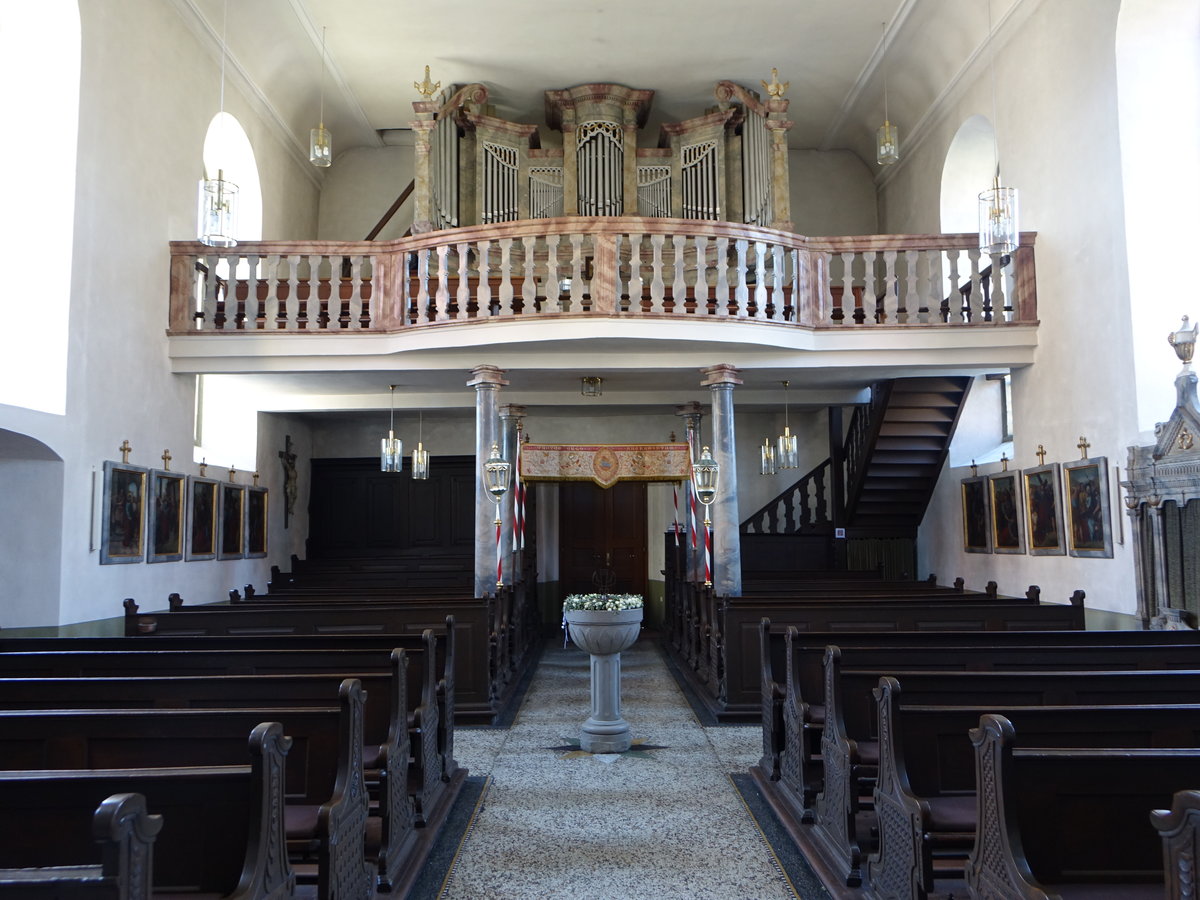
x=474, y=168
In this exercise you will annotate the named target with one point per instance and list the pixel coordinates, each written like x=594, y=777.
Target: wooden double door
x=602, y=528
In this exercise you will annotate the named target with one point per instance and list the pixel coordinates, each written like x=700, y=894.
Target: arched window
x=39, y=45
x=226, y=148
x=967, y=172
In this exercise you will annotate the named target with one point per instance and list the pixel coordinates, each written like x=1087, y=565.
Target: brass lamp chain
x=321, y=117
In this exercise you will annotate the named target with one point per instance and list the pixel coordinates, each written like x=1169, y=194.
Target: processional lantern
x=497, y=475
x=705, y=473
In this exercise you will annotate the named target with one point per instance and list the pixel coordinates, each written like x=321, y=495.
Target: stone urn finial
x=1184, y=341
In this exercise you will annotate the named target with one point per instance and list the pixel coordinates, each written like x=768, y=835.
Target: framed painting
x=1089, y=517
x=256, y=522
x=1004, y=493
x=231, y=519
x=202, y=518
x=123, y=520
x=976, y=531
x=165, y=513
x=1043, y=511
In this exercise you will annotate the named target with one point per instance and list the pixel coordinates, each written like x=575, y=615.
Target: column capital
x=720, y=374
x=487, y=376
x=512, y=411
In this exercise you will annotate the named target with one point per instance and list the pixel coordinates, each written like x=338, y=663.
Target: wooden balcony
x=664, y=269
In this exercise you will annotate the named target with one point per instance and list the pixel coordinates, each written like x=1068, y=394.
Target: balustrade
x=610, y=266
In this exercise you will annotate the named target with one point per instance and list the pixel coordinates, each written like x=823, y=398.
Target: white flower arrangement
x=609, y=602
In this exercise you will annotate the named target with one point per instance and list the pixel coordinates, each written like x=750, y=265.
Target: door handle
x=607, y=558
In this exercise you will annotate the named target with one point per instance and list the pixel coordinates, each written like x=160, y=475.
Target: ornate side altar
x=1163, y=504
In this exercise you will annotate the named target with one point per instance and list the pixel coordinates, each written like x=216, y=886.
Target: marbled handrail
x=603, y=266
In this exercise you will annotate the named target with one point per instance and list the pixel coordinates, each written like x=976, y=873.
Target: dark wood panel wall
x=357, y=510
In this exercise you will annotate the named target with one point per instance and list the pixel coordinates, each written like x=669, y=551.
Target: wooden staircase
x=896, y=448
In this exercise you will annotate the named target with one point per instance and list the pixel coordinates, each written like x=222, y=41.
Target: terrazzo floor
x=662, y=821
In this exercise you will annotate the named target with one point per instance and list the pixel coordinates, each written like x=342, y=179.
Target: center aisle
x=662, y=820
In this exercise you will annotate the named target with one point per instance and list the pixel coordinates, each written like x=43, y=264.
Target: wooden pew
x=725, y=666
x=924, y=799
x=125, y=832
x=221, y=827
x=326, y=798
x=476, y=697
x=406, y=706
x=969, y=650
x=850, y=749
x=1069, y=822
x=1177, y=827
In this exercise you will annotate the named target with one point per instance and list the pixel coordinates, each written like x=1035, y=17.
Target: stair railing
x=801, y=507
x=860, y=441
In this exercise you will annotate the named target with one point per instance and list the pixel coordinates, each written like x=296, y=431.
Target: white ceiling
x=835, y=54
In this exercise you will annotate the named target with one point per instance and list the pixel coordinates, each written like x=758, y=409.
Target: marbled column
x=727, y=548
x=487, y=381
x=511, y=417
x=691, y=415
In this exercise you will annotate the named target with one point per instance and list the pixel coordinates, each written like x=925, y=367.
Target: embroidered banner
x=605, y=464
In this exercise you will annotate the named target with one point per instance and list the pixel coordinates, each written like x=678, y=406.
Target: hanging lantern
x=787, y=454
x=217, y=211
x=998, y=228
x=767, y=453
x=391, y=448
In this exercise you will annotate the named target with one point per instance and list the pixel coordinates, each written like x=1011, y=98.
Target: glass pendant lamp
x=320, y=143
x=420, y=456
x=787, y=456
x=391, y=448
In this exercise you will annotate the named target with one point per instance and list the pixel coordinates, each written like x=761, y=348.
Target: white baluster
x=742, y=291
x=506, y=289
x=318, y=319
x=442, y=297
x=722, y=266
x=996, y=296
x=374, y=287
x=778, y=303
x=356, y=300
x=270, y=269
x=577, y=273
x=891, y=301
x=954, y=297
x=483, y=288
x=657, y=285
x=848, y=304
x=423, y=285
x=760, y=280
x=529, y=284
x=870, y=293
x=292, y=304
x=976, y=313
x=911, y=295
x=679, y=285
x=635, y=274
x=700, y=291
x=463, y=296
x=208, y=305
x=551, y=291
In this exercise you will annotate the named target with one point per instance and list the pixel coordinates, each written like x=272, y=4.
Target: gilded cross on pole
x=125, y=450
x=256, y=479
x=1041, y=455
x=1004, y=462
x=1083, y=447
x=974, y=469
x=166, y=458
x=203, y=466
x=232, y=473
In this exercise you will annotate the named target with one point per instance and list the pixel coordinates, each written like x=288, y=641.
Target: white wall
x=1059, y=147
x=148, y=92
x=360, y=187
x=832, y=193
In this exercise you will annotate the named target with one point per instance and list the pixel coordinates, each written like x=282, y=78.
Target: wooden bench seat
x=477, y=694
x=976, y=651
x=125, y=833
x=925, y=800
x=326, y=773
x=849, y=742
x=216, y=831
x=723, y=663
x=1069, y=823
